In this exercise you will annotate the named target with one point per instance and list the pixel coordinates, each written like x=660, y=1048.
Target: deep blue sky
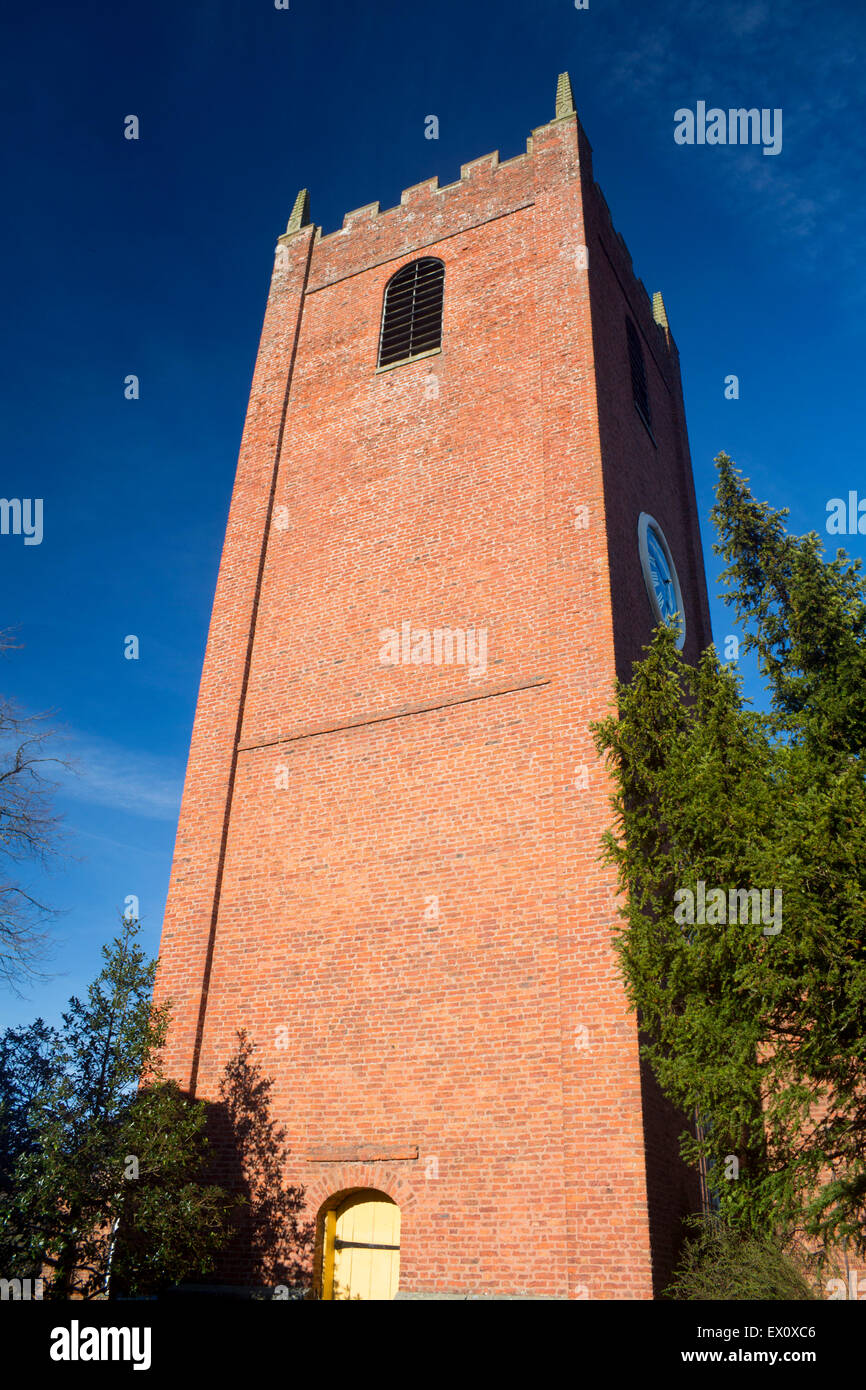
x=153, y=257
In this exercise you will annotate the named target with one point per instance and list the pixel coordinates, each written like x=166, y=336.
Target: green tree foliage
x=759, y=1031
x=103, y=1157
x=25, y=1070
x=720, y=1263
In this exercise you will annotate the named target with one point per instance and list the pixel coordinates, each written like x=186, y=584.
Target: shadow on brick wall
x=271, y=1247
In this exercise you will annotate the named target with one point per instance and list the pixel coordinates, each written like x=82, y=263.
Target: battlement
x=507, y=191
x=475, y=170
x=471, y=172
x=652, y=304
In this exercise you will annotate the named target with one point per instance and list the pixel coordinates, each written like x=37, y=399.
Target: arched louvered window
x=638, y=371
x=412, y=313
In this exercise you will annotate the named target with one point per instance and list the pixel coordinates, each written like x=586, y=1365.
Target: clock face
x=660, y=575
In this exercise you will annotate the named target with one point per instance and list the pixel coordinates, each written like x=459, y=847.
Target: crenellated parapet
x=487, y=188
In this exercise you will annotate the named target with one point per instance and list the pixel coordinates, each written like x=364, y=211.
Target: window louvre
x=638, y=371
x=412, y=313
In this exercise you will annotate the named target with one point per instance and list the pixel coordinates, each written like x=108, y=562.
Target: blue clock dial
x=660, y=575
x=662, y=582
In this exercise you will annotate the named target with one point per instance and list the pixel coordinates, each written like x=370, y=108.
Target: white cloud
x=105, y=774
x=748, y=18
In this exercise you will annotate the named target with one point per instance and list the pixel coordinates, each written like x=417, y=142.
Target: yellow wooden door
x=366, y=1247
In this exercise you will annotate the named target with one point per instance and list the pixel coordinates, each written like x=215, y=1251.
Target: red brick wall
x=330, y=798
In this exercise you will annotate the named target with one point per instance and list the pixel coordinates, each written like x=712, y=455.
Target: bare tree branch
x=29, y=833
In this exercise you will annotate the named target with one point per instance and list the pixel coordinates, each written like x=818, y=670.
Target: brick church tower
x=464, y=499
